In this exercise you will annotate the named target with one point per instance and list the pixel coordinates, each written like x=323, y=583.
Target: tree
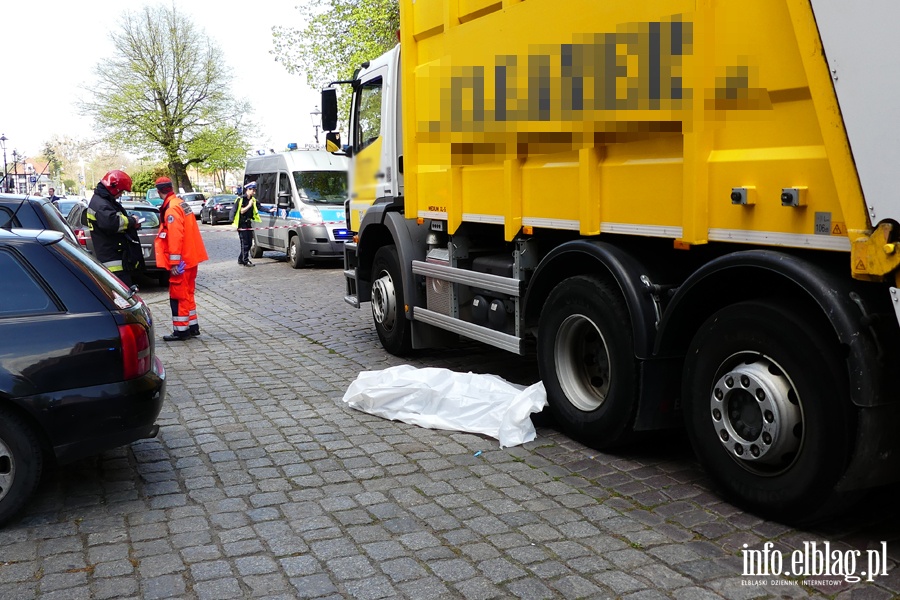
x=166, y=89
x=224, y=149
x=338, y=37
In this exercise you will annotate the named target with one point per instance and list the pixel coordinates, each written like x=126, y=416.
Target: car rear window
x=23, y=294
x=151, y=217
x=114, y=289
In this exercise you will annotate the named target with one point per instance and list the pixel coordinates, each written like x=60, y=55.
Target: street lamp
x=16, y=170
x=316, y=116
x=5, y=179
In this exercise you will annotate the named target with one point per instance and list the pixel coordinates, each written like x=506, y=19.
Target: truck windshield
x=329, y=187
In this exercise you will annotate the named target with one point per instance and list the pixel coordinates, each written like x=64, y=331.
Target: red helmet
x=116, y=181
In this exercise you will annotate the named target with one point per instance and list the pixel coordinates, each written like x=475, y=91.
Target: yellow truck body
x=685, y=207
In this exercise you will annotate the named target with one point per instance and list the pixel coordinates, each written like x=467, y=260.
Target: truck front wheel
x=586, y=360
x=295, y=253
x=766, y=406
x=387, y=302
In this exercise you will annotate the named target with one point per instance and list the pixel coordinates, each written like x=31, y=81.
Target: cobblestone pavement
x=263, y=484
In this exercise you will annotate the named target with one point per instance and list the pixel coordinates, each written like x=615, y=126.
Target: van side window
x=368, y=114
x=265, y=188
x=284, y=184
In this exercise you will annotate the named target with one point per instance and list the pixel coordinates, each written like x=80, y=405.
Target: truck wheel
x=255, y=250
x=586, y=361
x=21, y=462
x=766, y=406
x=387, y=302
x=295, y=253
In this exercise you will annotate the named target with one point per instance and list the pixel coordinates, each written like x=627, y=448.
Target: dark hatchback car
x=18, y=211
x=78, y=368
x=217, y=208
x=146, y=213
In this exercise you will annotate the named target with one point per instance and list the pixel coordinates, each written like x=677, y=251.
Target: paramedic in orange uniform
x=180, y=247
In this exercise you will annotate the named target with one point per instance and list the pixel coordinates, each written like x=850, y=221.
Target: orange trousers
x=181, y=299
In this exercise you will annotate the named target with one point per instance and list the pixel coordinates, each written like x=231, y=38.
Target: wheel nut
x=718, y=394
x=745, y=381
x=760, y=394
x=729, y=381
x=738, y=449
x=767, y=439
x=717, y=414
x=769, y=416
x=754, y=450
x=724, y=435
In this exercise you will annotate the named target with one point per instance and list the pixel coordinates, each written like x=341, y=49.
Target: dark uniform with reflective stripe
x=115, y=239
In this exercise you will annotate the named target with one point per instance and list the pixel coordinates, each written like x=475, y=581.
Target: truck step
x=487, y=281
x=489, y=336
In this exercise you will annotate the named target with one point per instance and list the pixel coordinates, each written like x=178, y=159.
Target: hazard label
x=860, y=266
x=838, y=228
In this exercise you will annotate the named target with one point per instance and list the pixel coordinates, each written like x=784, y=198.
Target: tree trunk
x=180, y=178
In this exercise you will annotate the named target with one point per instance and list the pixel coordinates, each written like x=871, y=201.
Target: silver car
x=195, y=200
x=147, y=214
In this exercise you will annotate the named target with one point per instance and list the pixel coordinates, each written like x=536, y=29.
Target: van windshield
x=329, y=187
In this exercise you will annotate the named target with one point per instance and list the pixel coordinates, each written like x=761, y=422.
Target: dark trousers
x=246, y=236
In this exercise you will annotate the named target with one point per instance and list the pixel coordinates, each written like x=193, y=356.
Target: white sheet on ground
x=443, y=399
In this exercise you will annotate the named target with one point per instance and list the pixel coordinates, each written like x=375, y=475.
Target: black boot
x=175, y=337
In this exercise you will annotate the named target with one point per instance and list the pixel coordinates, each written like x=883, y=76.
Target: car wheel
x=391, y=324
x=586, y=361
x=255, y=250
x=765, y=395
x=295, y=253
x=212, y=219
x=21, y=462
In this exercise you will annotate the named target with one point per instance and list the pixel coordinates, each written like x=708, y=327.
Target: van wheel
x=586, y=360
x=767, y=410
x=295, y=253
x=21, y=462
x=391, y=324
x=255, y=250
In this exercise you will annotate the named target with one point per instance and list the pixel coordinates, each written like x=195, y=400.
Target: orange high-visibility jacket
x=179, y=236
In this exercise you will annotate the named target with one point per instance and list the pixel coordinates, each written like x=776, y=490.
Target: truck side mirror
x=284, y=199
x=333, y=144
x=329, y=109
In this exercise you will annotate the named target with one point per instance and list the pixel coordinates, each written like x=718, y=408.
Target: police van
x=301, y=196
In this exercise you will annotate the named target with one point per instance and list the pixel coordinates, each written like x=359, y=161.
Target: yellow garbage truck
x=683, y=208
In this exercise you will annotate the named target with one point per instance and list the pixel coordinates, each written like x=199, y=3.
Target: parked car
x=18, y=211
x=77, y=219
x=217, y=209
x=78, y=368
x=65, y=205
x=195, y=200
x=152, y=197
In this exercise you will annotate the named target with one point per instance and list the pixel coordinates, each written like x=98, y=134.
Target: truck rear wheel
x=766, y=406
x=388, y=304
x=295, y=253
x=587, y=363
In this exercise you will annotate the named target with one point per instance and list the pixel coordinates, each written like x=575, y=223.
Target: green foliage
x=339, y=36
x=146, y=179
x=70, y=184
x=165, y=90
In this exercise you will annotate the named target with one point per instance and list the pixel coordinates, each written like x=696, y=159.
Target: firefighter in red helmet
x=179, y=246
x=113, y=230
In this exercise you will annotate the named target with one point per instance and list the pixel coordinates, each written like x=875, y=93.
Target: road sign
x=32, y=179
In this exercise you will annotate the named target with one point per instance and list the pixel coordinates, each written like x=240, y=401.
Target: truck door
x=367, y=144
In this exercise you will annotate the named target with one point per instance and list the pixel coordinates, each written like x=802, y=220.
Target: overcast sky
x=51, y=48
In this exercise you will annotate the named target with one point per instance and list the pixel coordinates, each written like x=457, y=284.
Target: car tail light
x=218, y=207
x=81, y=236
x=135, y=350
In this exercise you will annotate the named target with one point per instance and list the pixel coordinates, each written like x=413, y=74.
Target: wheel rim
x=293, y=250
x=7, y=469
x=757, y=413
x=582, y=362
x=384, y=301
